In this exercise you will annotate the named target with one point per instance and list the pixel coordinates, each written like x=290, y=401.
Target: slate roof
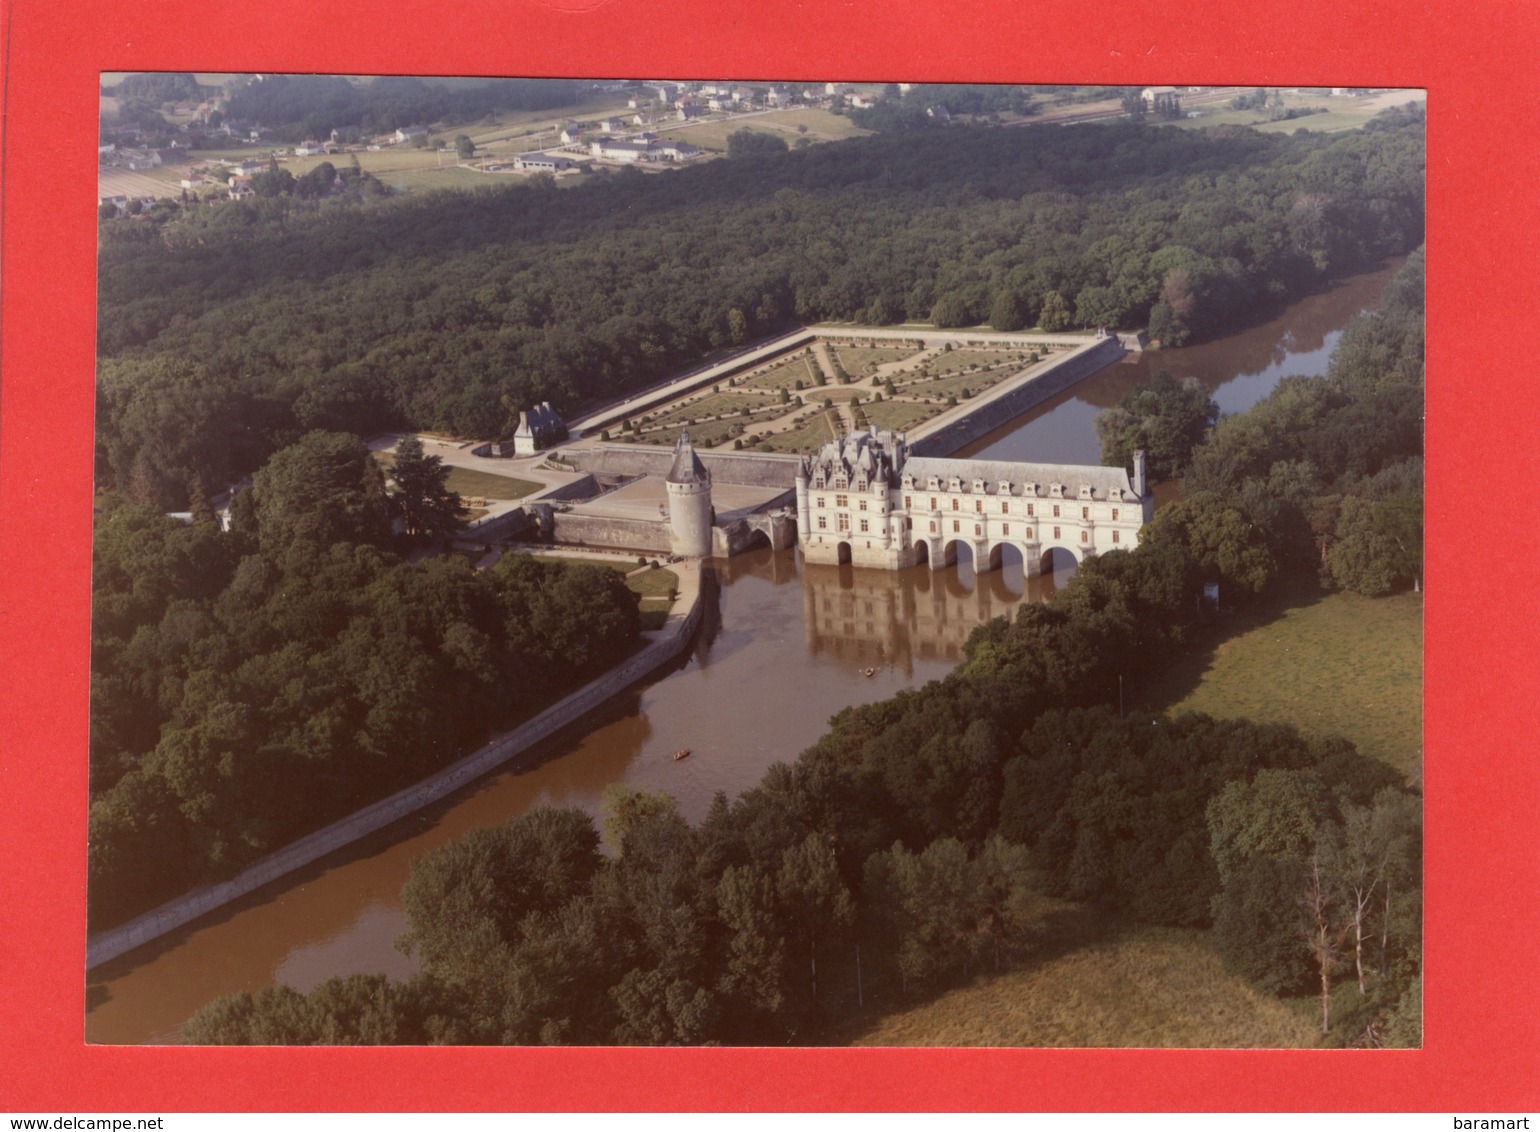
x=687, y=466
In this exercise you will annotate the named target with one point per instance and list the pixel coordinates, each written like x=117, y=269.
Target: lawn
x=1337, y=664
x=953, y=361
x=809, y=438
x=472, y=484
x=784, y=375
x=858, y=359
x=953, y=386
x=898, y=415
x=654, y=585
x=1157, y=988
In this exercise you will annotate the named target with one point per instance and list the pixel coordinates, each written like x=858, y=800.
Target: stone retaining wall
x=992, y=411
x=571, y=529
x=667, y=644
x=751, y=470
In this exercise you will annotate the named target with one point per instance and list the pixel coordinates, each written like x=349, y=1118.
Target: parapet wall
x=992, y=412
x=750, y=470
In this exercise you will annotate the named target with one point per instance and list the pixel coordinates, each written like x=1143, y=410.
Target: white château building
x=864, y=500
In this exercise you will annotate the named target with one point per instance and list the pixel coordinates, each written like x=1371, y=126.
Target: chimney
x=1139, y=488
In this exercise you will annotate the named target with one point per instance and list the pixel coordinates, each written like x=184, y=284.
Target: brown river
x=783, y=647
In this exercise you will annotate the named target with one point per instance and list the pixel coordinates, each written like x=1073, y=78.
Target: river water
x=784, y=646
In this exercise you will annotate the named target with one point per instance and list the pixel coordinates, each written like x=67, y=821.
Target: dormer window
x=1085, y=491
x=1005, y=487
x=908, y=482
x=978, y=485
x=1056, y=490
x=934, y=484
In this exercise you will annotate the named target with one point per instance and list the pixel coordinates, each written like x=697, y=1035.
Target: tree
x=464, y=147
x=816, y=904
x=1055, y=314
x=753, y=143
x=422, y=497
x=1167, y=419
x=1219, y=537
x=1377, y=544
x=1009, y=311
x=325, y=488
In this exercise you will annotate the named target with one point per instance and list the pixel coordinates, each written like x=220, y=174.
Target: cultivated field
x=1338, y=112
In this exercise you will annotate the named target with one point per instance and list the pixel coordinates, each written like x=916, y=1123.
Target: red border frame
x=1482, y=872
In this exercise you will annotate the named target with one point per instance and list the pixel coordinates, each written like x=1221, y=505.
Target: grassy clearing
x=1339, y=664
x=1147, y=988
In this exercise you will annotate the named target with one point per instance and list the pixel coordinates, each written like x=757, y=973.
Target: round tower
x=689, y=502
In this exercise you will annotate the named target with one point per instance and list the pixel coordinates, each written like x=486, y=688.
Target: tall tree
x=422, y=496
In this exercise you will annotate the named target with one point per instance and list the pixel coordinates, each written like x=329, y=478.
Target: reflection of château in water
x=891, y=617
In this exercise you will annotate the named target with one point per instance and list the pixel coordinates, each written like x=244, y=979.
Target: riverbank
x=662, y=646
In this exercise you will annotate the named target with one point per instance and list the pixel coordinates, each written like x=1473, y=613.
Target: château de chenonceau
x=864, y=500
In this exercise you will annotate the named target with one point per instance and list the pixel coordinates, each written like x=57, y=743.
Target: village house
x=540, y=163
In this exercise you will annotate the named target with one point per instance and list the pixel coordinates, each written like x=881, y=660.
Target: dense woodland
x=250, y=686
x=228, y=331
x=928, y=834
x=295, y=107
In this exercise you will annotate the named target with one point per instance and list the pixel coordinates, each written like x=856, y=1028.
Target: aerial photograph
x=690, y=561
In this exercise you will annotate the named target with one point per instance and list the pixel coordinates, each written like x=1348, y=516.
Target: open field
x=158, y=182
x=822, y=125
x=1337, y=664
x=1341, y=112
x=713, y=135
x=450, y=177
x=1156, y=988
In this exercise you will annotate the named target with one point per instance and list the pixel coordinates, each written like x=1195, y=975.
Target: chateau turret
x=689, y=502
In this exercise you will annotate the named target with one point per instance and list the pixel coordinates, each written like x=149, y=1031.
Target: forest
x=252, y=685
x=928, y=837
x=228, y=331
x=295, y=107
